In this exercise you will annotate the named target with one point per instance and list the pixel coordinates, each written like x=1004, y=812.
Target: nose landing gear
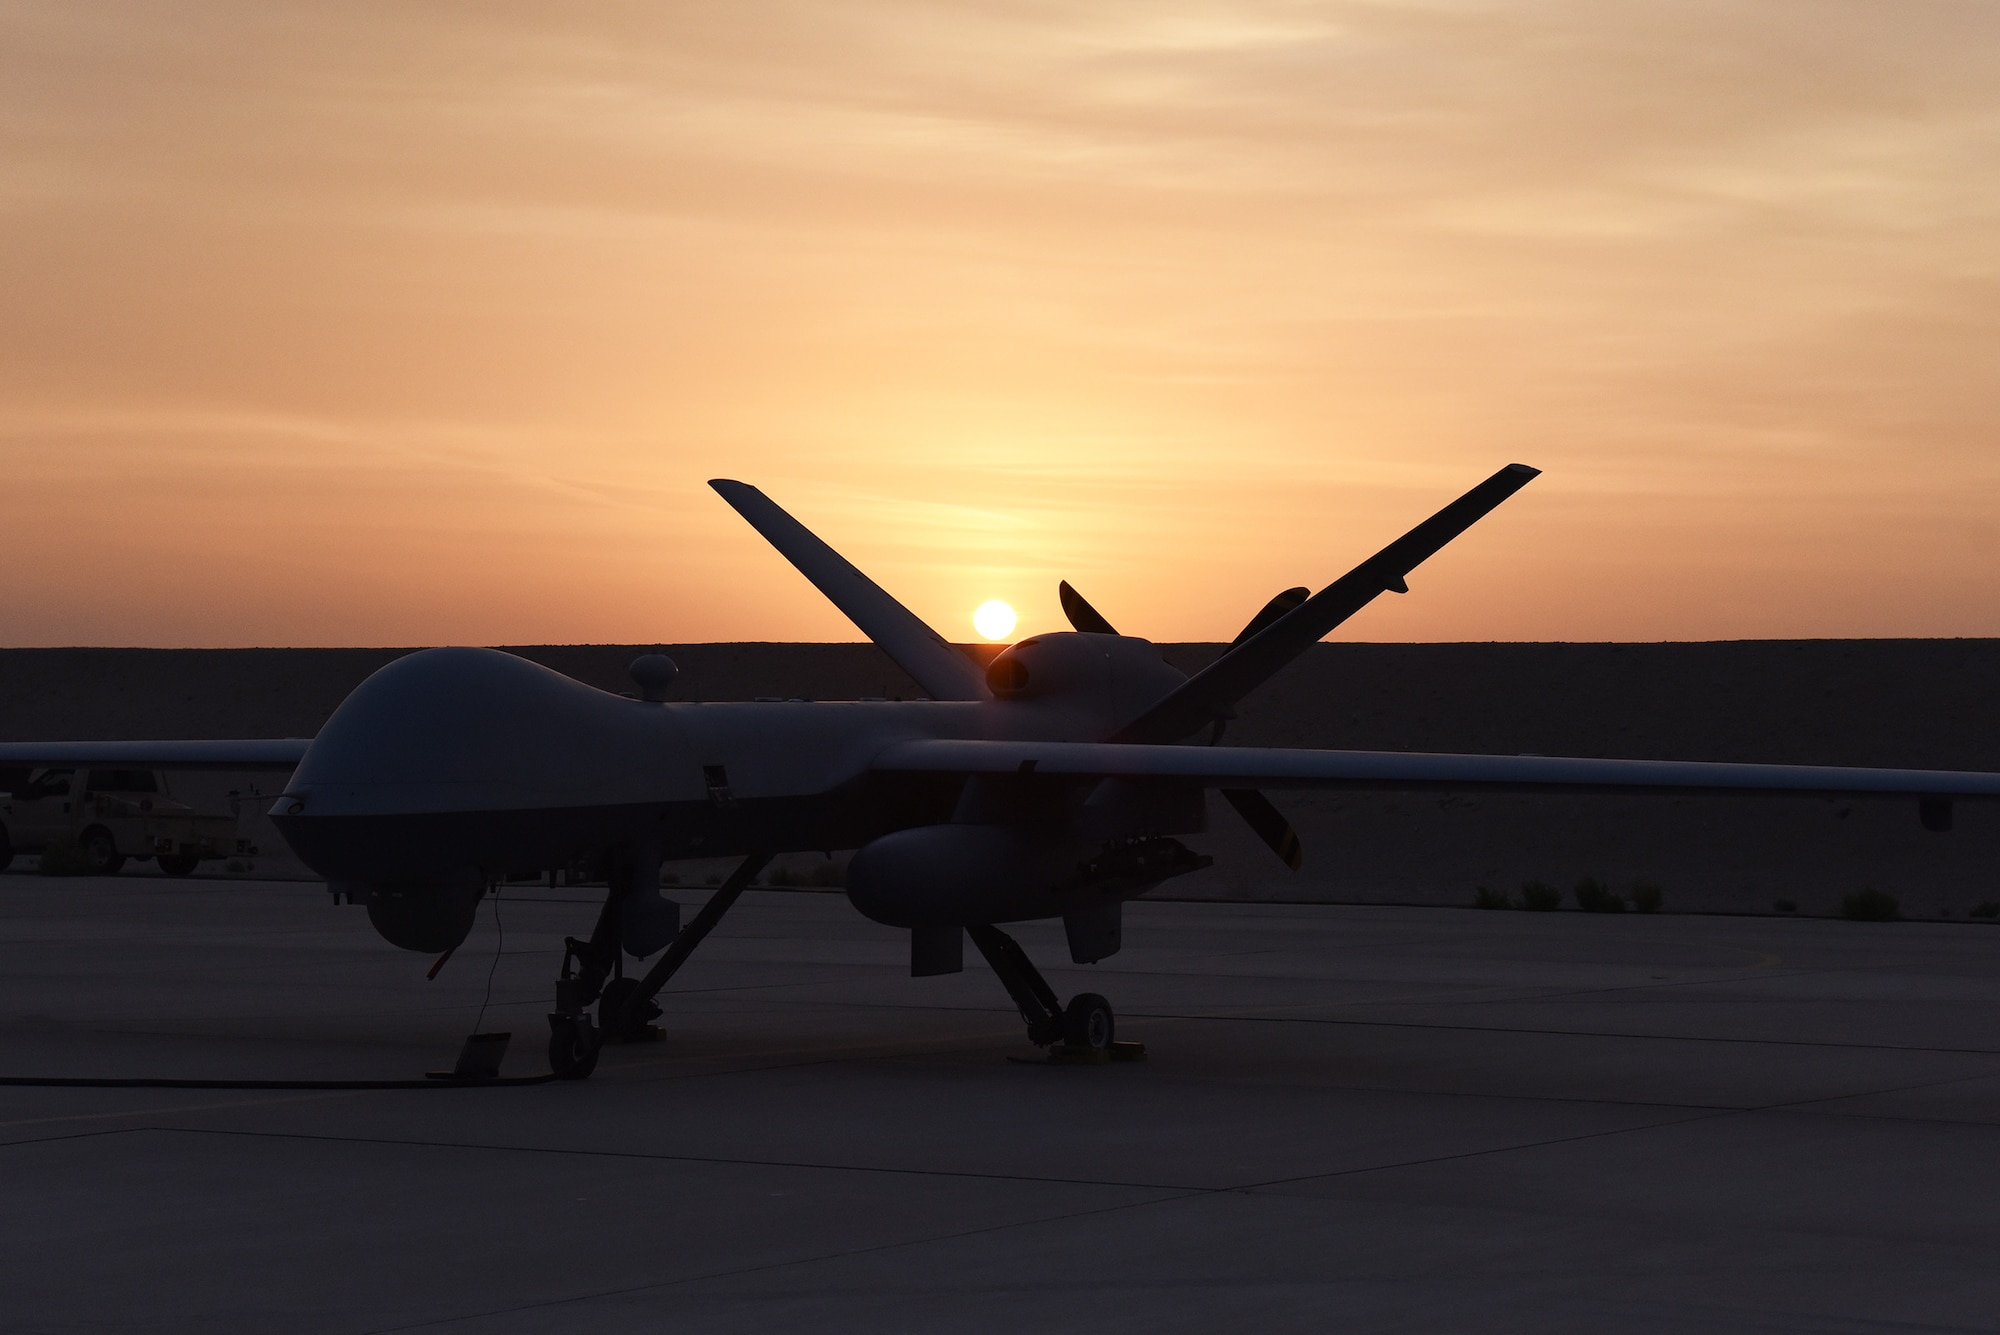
x=1085, y=1031
x=625, y=1006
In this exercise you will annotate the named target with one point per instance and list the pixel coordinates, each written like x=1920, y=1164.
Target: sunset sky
x=374, y=324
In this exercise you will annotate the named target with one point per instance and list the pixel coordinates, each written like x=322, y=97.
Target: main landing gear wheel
x=1082, y=1032
x=573, y=1046
x=1087, y=1023
x=619, y=1021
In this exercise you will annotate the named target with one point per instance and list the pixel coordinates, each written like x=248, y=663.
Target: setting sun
x=994, y=620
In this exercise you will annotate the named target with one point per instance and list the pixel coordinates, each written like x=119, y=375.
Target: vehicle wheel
x=1087, y=1022
x=100, y=854
x=573, y=1046
x=178, y=864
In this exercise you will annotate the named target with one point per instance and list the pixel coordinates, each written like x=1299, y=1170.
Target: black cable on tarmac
x=441, y=1081
x=151, y=1082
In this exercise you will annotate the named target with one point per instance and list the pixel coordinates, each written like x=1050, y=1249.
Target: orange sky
x=400, y=324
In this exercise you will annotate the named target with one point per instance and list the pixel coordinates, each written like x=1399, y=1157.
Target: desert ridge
x=1921, y=703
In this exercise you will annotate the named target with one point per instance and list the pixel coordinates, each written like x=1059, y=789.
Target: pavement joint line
x=953, y=1044
x=647, y=1156
x=1466, y=997
x=1734, y=973
x=1594, y=1100
x=1177, y=1196
x=1699, y=1113
x=1221, y=1017
x=1805, y=1105
x=1559, y=1033
x=1603, y=1101
x=1718, y=1113
x=1760, y=975
x=891, y=1050
x=719, y=1066
x=739, y=1272
x=1758, y=971
x=300, y=1097
x=1498, y=1149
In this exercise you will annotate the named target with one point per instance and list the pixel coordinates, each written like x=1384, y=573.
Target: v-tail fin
x=942, y=671
x=1209, y=694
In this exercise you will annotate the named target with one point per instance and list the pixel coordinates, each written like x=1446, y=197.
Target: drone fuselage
x=459, y=767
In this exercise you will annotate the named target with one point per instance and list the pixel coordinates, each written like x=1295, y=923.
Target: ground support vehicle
x=110, y=816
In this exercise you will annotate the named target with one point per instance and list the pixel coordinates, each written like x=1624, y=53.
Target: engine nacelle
x=949, y=875
x=1108, y=679
x=432, y=916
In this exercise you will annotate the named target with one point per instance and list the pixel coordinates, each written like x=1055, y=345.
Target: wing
x=283, y=753
x=1267, y=767
x=941, y=670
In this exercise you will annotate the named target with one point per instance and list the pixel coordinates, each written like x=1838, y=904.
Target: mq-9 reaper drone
x=1054, y=782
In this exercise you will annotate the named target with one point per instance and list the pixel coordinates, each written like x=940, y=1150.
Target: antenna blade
x=1208, y=694
x=1080, y=613
x=942, y=671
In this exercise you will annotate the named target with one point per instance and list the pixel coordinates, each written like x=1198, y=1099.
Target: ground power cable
x=429, y=1082
x=499, y=949
x=150, y=1082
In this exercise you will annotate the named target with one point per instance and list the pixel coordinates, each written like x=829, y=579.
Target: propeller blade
x=1274, y=609
x=1269, y=824
x=1081, y=614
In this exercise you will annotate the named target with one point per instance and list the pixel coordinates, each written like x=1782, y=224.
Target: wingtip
x=1526, y=470
x=736, y=494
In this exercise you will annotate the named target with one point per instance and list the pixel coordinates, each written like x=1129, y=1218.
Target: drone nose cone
x=453, y=760
x=471, y=729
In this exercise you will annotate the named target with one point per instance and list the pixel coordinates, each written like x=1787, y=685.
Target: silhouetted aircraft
x=1054, y=782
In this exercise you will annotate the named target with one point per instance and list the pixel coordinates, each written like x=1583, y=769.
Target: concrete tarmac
x=1360, y=1118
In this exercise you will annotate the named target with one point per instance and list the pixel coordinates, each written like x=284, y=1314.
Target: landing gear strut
x=1085, y=1030
x=573, y=1040
x=593, y=969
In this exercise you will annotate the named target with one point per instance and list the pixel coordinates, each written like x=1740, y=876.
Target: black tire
x=1088, y=1022
x=573, y=1047
x=100, y=854
x=178, y=864
x=614, y=1025
x=615, y=992
x=6, y=849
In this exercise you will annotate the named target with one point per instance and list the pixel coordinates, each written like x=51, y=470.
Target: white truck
x=110, y=816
